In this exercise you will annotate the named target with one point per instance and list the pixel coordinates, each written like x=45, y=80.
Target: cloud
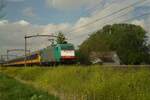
x=86, y=25
x=15, y=0
x=56, y=27
x=29, y=12
x=139, y=22
x=71, y=4
x=3, y=22
x=12, y=34
x=22, y=23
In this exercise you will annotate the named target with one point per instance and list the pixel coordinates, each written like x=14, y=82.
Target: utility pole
x=32, y=36
x=25, y=49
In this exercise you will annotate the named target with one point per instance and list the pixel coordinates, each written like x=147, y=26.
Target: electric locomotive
x=54, y=54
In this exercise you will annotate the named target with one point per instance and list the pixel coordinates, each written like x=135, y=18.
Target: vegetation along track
x=87, y=83
x=11, y=89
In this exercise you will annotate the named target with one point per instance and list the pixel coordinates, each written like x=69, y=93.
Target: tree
x=129, y=41
x=61, y=39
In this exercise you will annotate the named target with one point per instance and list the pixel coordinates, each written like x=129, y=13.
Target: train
x=51, y=55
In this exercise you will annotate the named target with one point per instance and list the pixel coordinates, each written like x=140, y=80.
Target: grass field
x=10, y=89
x=87, y=83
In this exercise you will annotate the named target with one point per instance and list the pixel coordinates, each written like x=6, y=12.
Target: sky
x=30, y=17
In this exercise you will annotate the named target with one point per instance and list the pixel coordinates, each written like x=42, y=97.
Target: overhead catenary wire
x=124, y=21
x=85, y=12
x=145, y=14
x=122, y=15
x=109, y=15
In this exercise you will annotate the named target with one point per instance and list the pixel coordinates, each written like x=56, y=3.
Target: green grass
x=88, y=83
x=10, y=89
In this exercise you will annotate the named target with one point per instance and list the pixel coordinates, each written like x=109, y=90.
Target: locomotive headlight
x=67, y=53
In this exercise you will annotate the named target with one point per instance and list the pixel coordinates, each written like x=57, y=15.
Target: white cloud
x=79, y=33
x=22, y=23
x=15, y=0
x=139, y=22
x=29, y=12
x=98, y=19
x=56, y=27
x=3, y=22
x=12, y=34
x=71, y=4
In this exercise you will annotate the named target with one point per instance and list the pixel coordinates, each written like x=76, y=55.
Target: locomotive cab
x=59, y=53
x=67, y=53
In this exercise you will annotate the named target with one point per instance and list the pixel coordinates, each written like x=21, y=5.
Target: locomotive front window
x=67, y=48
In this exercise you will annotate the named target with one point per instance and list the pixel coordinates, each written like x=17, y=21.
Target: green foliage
x=82, y=56
x=61, y=39
x=10, y=89
x=129, y=41
x=89, y=83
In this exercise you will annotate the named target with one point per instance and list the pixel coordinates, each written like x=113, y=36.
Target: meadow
x=86, y=83
x=11, y=89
